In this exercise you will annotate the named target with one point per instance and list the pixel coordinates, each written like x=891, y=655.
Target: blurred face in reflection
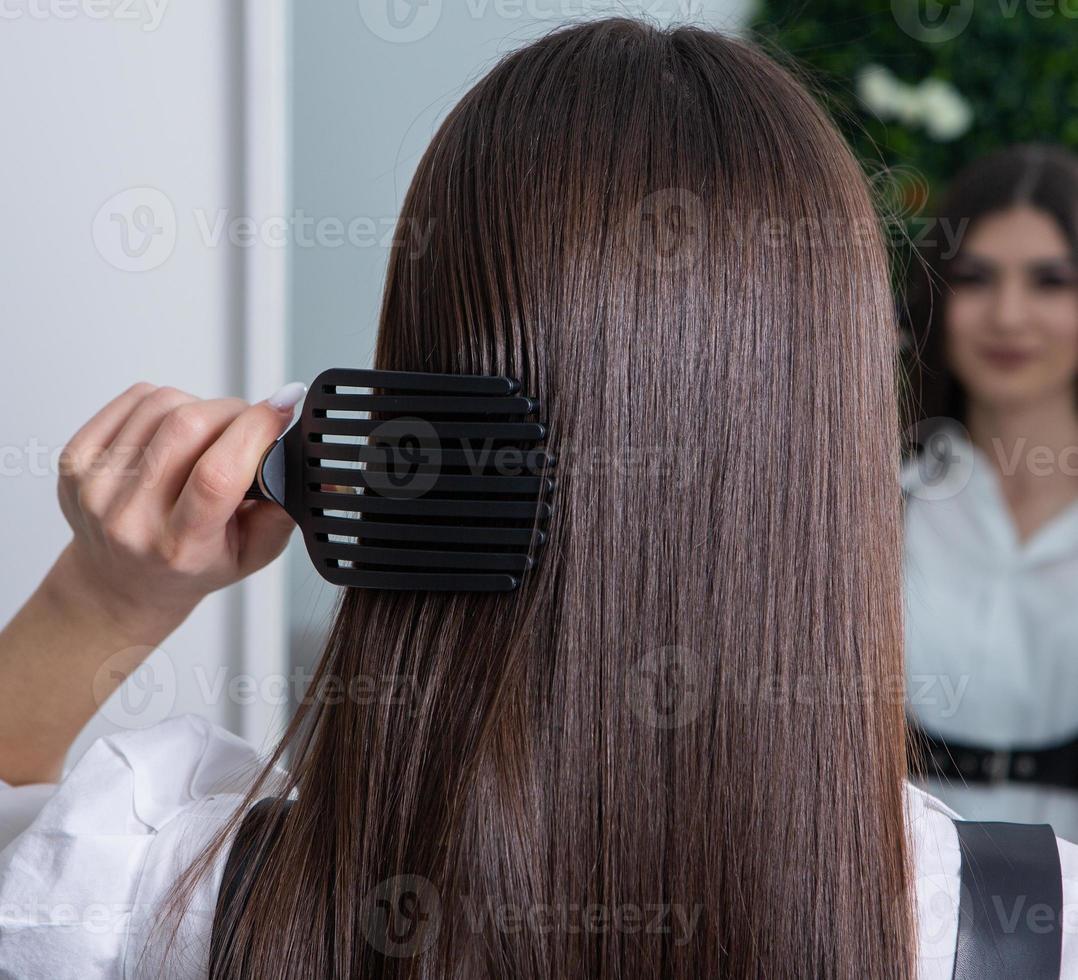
x=1012, y=318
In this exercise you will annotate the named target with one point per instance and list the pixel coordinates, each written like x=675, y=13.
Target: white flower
x=933, y=104
x=909, y=107
x=946, y=114
x=879, y=90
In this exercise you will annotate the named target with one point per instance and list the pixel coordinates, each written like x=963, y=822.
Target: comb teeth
x=430, y=482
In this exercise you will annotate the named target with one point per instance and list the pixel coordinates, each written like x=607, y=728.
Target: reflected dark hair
x=1041, y=176
x=691, y=704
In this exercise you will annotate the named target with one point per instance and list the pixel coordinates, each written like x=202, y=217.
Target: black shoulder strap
x=232, y=896
x=1010, y=915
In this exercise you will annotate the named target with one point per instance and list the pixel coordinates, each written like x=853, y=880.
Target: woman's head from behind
x=1000, y=328
x=667, y=754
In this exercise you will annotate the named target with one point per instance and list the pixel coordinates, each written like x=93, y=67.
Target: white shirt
x=991, y=629
x=80, y=885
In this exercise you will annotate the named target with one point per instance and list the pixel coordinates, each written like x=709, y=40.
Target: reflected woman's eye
x=1053, y=280
x=964, y=278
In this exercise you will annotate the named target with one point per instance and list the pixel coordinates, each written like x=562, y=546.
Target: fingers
x=180, y=440
x=120, y=474
x=127, y=449
x=223, y=473
x=85, y=456
x=96, y=435
x=163, y=534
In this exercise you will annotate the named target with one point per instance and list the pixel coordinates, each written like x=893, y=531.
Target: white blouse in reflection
x=81, y=885
x=991, y=627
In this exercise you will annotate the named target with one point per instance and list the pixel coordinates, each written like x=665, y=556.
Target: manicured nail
x=287, y=398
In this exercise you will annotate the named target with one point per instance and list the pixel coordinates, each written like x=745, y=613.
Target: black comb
x=427, y=482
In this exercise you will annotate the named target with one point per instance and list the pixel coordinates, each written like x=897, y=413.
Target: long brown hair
x=676, y=751
x=1038, y=175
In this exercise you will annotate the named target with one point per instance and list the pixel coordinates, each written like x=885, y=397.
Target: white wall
x=368, y=93
x=101, y=98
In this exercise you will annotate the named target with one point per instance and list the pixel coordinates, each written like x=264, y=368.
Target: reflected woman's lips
x=1006, y=358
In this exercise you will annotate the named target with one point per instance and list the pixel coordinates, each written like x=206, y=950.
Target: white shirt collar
x=952, y=472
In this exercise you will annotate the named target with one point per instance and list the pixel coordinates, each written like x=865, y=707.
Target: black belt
x=954, y=761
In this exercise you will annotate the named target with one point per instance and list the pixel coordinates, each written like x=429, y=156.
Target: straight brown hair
x=676, y=751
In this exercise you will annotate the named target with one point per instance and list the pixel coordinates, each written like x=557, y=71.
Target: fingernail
x=287, y=398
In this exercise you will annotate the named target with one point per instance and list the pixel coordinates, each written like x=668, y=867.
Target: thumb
x=217, y=483
x=264, y=526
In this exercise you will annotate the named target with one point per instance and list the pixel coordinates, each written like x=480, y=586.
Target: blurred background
x=927, y=87
x=921, y=88
x=204, y=194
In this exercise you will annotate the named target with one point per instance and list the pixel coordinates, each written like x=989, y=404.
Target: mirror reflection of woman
x=992, y=497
